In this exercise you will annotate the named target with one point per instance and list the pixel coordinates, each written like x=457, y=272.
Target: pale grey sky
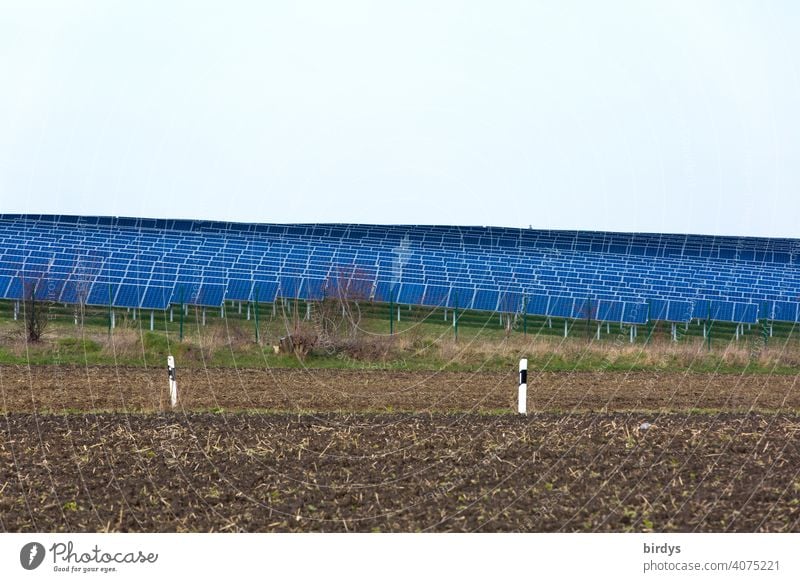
x=630, y=116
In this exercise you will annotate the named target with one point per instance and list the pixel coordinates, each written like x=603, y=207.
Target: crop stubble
x=399, y=472
x=64, y=388
x=580, y=463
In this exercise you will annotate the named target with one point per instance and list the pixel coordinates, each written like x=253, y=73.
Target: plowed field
x=60, y=388
x=390, y=472
x=95, y=449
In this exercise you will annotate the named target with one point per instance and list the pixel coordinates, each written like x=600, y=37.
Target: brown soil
x=60, y=388
x=399, y=472
x=582, y=462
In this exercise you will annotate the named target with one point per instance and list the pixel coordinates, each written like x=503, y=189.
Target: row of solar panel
x=651, y=245
x=622, y=286
x=420, y=268
x=215, y=248
x=207, y=294
x=141, y=279
x=606, y=287
x=145, y=264
x=211, y=249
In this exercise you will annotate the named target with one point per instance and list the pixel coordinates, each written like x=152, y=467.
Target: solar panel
x=604, y=276
x=436, y=295
x=411, y=293
x=486, y=300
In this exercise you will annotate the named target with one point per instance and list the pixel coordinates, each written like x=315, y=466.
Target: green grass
x=423, y=341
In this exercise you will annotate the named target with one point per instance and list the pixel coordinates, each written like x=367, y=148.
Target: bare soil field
x=96, y=449
x=64, y=388
x=399, y=472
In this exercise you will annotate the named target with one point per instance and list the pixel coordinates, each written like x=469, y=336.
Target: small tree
x=34, y=310
x=338, y=311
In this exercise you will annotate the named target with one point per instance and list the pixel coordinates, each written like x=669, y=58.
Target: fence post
x=455, y=317
x=255, y=314
x=110, y=312
x=391, y=311
x=173, y=382
x=182, y=312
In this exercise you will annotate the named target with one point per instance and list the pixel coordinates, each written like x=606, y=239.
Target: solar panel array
x=631, y=278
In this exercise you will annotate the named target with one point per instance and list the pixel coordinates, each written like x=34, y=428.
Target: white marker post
x=173, y=383
x=522, y=397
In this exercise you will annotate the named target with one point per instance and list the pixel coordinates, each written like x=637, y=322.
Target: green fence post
x=649, y=325
x=764, y=330
x=391, y=311
x=455, y=317
x=255, y=309
x=110, y=310
x=708, y=327
x=180, y=336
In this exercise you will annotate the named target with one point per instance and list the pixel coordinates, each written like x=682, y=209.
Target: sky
x=626, y=116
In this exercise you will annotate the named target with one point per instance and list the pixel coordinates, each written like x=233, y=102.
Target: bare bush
x=300, y=342
x=35, y=310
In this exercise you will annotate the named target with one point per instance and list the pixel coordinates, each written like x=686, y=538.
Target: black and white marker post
x=522, y=397
x=173, y=383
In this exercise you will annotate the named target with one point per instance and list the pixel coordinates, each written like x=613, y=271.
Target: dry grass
x=657, y=354
x=131, y=342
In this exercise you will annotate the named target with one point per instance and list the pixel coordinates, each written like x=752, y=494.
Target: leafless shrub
x=300, y=343
x=34, y=308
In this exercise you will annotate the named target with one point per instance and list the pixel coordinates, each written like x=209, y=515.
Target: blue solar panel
x=786, y=311
x=610, y=311
x=101, y=294
x=460, y=297
x=585, y=309
x=635, y=313
x=658, y=309
x=721, y=310
x=679, y=311
x=436, y=295
x=537, y=304
x=561, y=307
x=129, y=295
x=239, y=289
x=563, y=273
x=411, y=293
x=311, y=289
x=510, y=302
x=386, y=291
x=745, y=312
x=700, y=309
x=291, y=287
x=156, y=297
x=210, y=294
x=485, y=300
x=265, y=291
